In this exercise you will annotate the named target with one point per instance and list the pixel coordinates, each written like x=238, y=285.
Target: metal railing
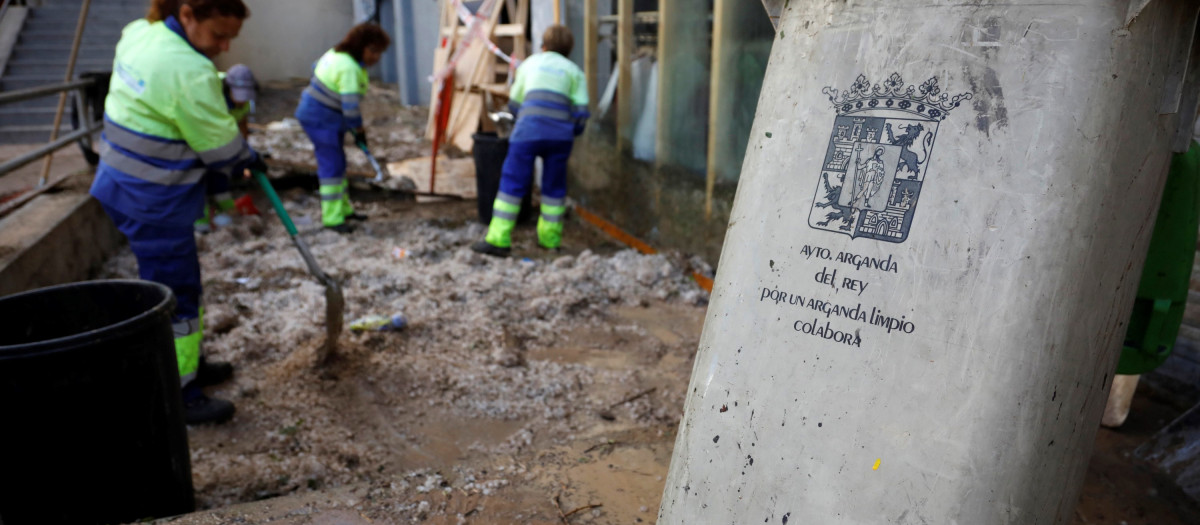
x=46, y=152
x=89, y=127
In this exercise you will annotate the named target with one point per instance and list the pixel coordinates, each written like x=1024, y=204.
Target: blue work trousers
x=516, y=177
x=165, y=254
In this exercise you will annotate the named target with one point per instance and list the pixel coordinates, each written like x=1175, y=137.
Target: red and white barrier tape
x=474, y=22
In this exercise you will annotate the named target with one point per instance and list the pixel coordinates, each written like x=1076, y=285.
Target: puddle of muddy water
x=444, y=439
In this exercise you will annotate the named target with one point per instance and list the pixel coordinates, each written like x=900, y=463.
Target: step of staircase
x=41, y=54
x=26, y=116
x=31, y=134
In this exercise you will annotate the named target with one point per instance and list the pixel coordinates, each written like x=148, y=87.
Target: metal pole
x=9, y=97
x=62, y=97
x=49, y=148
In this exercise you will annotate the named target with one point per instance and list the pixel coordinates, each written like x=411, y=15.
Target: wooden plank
x=471, y=112
x=522, y=50
x=465, y=71
x=502, y=30
x=500, y=90
x=716, y=89
x=455, y=176
x=465, y=122
x=591, y=39
x=625, y=50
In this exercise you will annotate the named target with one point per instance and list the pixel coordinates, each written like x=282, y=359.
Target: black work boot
x=488, y=248
x=356, y=217
x=199, y=409
x=211, y=373
x=341, y=228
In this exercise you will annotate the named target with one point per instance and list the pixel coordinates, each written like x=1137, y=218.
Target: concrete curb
x=54, y=239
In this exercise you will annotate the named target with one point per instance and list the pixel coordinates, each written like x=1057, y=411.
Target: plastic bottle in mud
x=379, y=323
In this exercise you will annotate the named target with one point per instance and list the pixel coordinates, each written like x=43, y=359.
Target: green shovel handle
x=261, y=178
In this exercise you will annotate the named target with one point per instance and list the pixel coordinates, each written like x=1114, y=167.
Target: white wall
x=282, y=38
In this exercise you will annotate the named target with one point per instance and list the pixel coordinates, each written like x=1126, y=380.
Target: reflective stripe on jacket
x=338, y=84
x=549, y=97
x=166, y=123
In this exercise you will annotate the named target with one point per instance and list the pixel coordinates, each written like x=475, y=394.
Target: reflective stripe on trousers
x=504, y=219
x=550, y=224
x=335, y=201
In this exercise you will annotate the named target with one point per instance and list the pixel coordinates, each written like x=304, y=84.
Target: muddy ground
x=394, y=132
x=506, y=364
x=522, y=391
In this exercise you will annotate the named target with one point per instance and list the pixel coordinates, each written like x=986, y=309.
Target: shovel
x=335, y=303
x=374, y=163
x=380, y=175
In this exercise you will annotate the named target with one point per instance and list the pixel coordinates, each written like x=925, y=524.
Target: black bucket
x=91, y=420
x=489, y=152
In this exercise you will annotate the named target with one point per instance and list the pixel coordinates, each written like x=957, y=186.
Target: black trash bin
x=489, y=152
x=91, y=420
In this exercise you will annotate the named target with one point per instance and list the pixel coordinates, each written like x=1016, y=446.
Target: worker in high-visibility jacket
x=329, y=107
x=166, y=124
x=240, y=89
x=549, y=98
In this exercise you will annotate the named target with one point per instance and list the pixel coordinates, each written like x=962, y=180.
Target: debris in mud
x=394, y=132
x=489, y=363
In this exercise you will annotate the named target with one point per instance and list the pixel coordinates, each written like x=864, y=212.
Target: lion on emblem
x=831, y=200
x=908, y=158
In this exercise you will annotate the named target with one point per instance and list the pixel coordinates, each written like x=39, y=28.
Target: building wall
x=661, y=204
x=282, y=38
x=664, y=201
x=415, y=41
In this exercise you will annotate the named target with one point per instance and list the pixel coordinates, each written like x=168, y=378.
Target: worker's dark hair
x=203, y=9
x=558, y=38
x=361, y=37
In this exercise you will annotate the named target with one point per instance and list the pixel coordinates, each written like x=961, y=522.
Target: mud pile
x=489, y=363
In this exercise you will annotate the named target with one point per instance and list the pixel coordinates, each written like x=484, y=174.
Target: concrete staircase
x=40, y=57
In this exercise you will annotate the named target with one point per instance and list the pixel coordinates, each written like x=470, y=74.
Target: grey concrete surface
x=938, y=347
x=55, y=238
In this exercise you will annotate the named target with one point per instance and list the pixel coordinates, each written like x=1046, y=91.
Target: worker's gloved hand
x=258, y=165
x=360, y=137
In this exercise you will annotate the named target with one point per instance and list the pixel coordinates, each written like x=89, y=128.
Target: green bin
x=1163, y=291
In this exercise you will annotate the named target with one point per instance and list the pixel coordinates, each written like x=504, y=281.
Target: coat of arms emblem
x=878, y=156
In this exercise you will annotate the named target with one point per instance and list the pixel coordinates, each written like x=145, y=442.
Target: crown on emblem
x=926, y=100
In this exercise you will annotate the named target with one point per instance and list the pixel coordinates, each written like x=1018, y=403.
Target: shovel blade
x=335, y=307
